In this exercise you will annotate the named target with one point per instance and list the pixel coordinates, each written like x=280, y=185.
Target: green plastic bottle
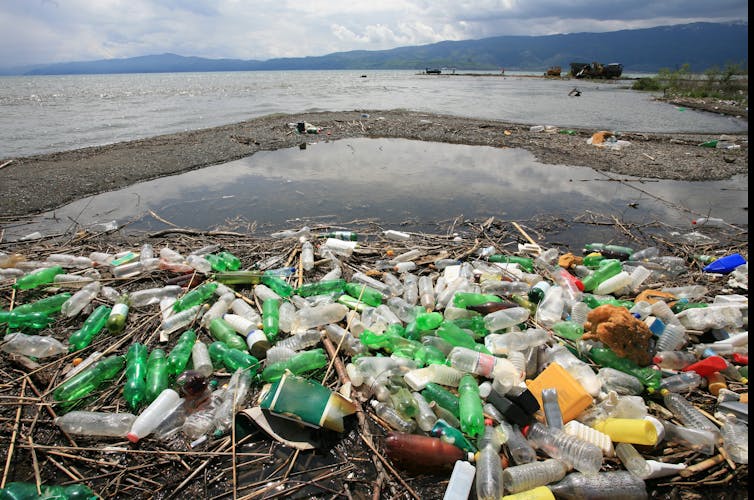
x=157, y=374
x=366, y=294
x=38, y=277
x=475, y=324
x=134, y=391
x=648, y=376
x=222, y=331
x=455, y=335
x=526, y=263
x=568, y=330
x=232, y=359
x=300, y=363
x=594, y=302
x=470, y=406
x=49, y=305
x=278, y=285
x=31, y=320
x=232, y=263
x=91, y=327
x=73, y=390
x=451, y=435
x=609, y=251
x=195, y=297
x=181, y=352
x=352, y=303
x=251, y=277
x=607, y=269
x=321, y=288
x=427, y=321
x=28, y=491
x=271, y=318
x=116, y=321
x=466, y=299
x=429, y=355
x=443, y=397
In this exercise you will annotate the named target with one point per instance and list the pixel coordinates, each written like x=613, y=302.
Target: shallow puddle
x=414, y=184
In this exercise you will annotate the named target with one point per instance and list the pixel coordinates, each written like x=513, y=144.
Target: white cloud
x=42, y=31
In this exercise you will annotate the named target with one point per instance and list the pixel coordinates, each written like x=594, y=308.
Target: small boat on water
x=433, y=71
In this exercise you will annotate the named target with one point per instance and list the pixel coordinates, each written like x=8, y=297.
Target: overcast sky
x=44, y=31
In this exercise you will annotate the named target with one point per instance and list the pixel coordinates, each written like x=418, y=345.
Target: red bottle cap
x=707, y=366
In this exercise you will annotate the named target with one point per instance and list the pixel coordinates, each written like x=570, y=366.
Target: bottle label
x=119, y=309
x=255, y=336
x=485, y=365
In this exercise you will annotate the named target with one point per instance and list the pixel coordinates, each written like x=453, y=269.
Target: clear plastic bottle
x=307, y=256
x=694, y=439
x=527, y=476
x=551, y=408
x=306, y=319
x=149, y=296
x=391, y=417
x=673, y=338
x=550, y=310
x=37, y=346
x=217, y=309
x=621, y=382
x=146, y=422
x=681, y=382
x=674, y=360
x=343, y=338
x=200, y=359
x=72, y=280
x=93, y=423
x=486, y=365
x=181, y=319
x=583, y=456
x=504, y=343
x=644, y=469
x=80, y=299
x=602, y=485
x=132, y=269
x=661, y=310
x=489, y=470
x=242, y=308
x=614, y=283
x=520, y=449
x=425, y=417
x=735, y=435
x=199, y=263
x=69, y=260
x=687, y=413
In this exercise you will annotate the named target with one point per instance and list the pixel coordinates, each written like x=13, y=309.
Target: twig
x=701, y=466
x=13, y=437
x=6, y=163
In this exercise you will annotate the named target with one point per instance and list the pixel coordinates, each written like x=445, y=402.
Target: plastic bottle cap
x=132, y=437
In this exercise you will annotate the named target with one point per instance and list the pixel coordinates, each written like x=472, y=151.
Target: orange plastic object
x=572, y=397
x=653, y=296
x=715, y=382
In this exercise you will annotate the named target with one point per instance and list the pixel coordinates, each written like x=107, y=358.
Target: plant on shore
x=730, y=83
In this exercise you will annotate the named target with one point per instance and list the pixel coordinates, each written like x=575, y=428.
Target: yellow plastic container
x=538, y=493
x=572, y=398
x=629, y=430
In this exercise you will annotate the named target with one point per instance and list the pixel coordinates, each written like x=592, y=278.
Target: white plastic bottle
x=152, y=415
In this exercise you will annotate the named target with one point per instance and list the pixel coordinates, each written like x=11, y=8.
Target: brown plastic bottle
x=419, y=453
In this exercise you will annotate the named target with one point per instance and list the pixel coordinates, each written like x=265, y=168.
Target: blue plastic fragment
x=725, y=265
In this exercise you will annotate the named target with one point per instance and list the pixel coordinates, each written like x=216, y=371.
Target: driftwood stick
x=701, y=466
x=13, y=438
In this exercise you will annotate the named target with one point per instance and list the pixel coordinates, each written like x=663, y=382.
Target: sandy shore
x=40, y=183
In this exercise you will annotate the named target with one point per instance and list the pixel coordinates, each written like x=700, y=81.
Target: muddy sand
x=41, y=183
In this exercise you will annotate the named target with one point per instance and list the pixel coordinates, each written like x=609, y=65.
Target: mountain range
x=700, y=45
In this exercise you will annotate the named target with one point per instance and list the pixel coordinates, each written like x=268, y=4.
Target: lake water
x=44, y=114
x=360, y=179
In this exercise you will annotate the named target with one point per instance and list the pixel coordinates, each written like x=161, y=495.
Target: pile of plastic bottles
x=546, y=360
